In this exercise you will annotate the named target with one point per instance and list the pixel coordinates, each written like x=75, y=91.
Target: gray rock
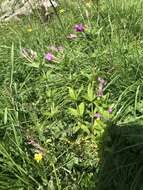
x=13, y=9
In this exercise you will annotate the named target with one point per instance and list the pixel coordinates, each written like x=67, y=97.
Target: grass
x=49, y=107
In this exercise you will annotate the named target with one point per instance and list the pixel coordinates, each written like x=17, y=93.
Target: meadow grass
x=48, y=107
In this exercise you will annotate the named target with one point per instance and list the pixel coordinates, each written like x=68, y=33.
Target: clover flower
x=79, y=28
x=110, y=110
x=98, y=116
x=38, y=157
x=49, y=56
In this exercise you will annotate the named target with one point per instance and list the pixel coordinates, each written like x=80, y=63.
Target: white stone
x=12, y=9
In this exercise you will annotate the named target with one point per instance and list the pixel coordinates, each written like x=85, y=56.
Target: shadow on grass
x=122, y=159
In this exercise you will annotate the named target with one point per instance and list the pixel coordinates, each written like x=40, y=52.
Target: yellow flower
x=61, y=11
x=38, y=157
x=29, y=30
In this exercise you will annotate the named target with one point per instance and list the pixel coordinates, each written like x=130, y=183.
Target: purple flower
x=110, y=110
x=49, y=57
x=72, y=36
x=101, y=86
x=101, y=81
x=98, y=115
x=79, y=28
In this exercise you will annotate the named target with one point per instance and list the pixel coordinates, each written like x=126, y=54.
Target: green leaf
x=85, y=128
x=5, y=115
x=33, y=64
x=73, y=111
x=90, y=93
x=81, y=108
x=76, y=128
x=53, y=111
x=72, y=160
x=98, y=125
x=72, y=94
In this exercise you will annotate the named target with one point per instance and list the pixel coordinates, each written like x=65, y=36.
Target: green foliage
x=52, y=108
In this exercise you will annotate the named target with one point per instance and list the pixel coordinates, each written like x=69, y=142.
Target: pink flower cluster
x=78, y=28
x=99, y=116
x=49, y=56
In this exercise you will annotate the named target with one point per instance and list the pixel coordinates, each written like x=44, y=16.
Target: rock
x=14, y=9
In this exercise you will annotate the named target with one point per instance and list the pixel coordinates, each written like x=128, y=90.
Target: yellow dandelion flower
x=29, y=30
x=38, y=157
